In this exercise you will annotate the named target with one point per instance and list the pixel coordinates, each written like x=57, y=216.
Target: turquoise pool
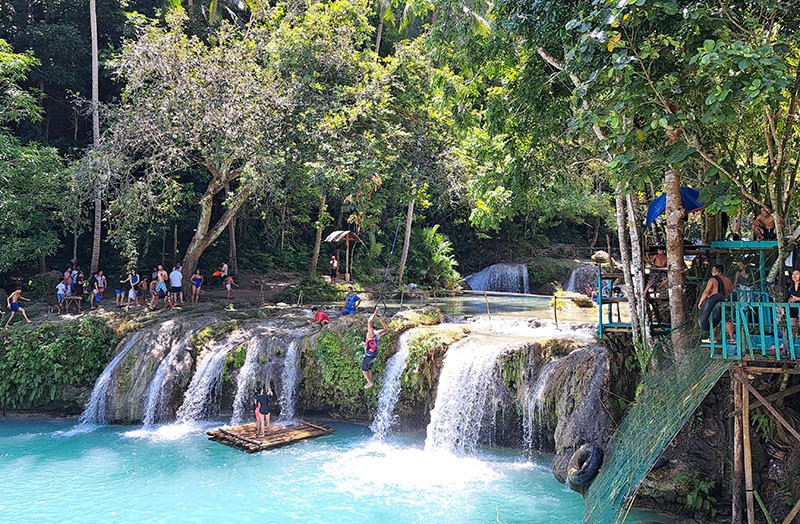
x=173, y=474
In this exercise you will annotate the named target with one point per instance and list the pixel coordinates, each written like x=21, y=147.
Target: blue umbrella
x=690, y=198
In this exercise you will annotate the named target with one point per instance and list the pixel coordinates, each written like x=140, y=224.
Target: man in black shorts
x=371, y=347
x=334, y=269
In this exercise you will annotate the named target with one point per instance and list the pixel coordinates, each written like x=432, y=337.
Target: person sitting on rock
x=351, y=302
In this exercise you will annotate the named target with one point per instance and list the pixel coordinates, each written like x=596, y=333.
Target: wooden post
x=748, y=458
x=555, y=309
x=347, y=257
x=485, y=299
x=736, y=481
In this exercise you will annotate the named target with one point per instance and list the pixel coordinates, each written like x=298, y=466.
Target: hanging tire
x=585, y=464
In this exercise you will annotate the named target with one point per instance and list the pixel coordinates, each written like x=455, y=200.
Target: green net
x=667, y=399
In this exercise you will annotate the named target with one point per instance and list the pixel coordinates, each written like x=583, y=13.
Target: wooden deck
x=244, y=437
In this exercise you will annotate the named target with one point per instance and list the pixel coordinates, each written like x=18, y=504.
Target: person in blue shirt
x=371, y=346
x=351, y=302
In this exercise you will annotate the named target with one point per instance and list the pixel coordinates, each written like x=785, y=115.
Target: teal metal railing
x=762, y=329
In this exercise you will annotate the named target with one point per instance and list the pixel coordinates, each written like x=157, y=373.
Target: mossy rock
x=566, y=297
x=212, y=333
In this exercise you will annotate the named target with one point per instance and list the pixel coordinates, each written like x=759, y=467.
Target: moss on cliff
x=41, y=366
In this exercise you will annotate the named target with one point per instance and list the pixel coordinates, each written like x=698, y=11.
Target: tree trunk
x=406, y=241
x=625, y=258
x=205, y=233
x=381, y=13
x=676, y=216
x=637, y=266
x=312, y=270
x=98, y=201
x=174, y=258
x=74, y=245
x=232, y=255
x=42, y=264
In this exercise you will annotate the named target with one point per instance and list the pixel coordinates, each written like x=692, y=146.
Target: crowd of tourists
x=159, y=289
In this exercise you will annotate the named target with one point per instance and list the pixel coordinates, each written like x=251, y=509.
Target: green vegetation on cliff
x=38, y=364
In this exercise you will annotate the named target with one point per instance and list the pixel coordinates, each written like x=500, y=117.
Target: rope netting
x=667, y=399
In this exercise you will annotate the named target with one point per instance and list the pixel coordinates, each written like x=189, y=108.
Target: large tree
x=190, y=104
x=32, y=176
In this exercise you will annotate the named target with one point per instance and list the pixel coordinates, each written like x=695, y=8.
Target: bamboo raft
x=245, y=437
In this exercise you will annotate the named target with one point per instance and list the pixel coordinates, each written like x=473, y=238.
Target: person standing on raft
x=717, y=289
x=371, y=346
x=263, y=400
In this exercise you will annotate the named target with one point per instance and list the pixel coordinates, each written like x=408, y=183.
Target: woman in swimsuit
x=263, y=401
x=743, y=282
x=793, y=297
x=197, y=283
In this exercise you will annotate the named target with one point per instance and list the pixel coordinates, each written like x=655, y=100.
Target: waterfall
x=154, y=400
x=201, y=398
x=534, y=412
x=390, y=391
x=95, y=410
x=466, y=386
x=511, y=278
x=247, y=381
x=289, y=379
x=582, y=278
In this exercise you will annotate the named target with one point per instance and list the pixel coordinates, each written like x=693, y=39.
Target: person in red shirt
x=320, y=317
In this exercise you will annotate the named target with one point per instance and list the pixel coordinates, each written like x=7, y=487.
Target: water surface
x=172, y=473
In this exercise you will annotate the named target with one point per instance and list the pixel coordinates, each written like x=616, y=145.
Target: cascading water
x=533, y=416
x=247, y=381
x=510, y=278
x=466, y=389
x=390, y=391
x=154, y=400
x=95, y=410
x=582, y=278
x=291, y=366
x=203, y=394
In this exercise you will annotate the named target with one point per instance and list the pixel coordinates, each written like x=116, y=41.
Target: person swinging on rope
x=371, y=346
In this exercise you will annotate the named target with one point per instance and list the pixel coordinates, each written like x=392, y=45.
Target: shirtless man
x=13, y=304
x=657, y=278
x=718, y=284
x=764, y=225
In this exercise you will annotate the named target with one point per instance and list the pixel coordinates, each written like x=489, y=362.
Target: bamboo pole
x=736, y=481
x=771, y=409
x=555, y=309
x=763, y=508
x=748, y=458
x=792, y=514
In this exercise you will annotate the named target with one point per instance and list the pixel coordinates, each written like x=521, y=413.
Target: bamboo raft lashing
x=246, y=439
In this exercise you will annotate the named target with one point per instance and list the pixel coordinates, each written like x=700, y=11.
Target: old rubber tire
x=584, y=464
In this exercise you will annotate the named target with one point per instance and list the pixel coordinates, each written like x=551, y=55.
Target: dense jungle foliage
x=447, y=136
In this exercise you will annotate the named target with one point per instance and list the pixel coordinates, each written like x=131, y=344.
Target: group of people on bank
x=130, y=290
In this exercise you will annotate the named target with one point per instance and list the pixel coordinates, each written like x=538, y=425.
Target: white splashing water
x=390, y=391
x=154, y=399
x=463, y=399
x=247, y=381
x=95, y=410
x=511, y=278
x=533, y=416
x=201, y=399
x=291, y=365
